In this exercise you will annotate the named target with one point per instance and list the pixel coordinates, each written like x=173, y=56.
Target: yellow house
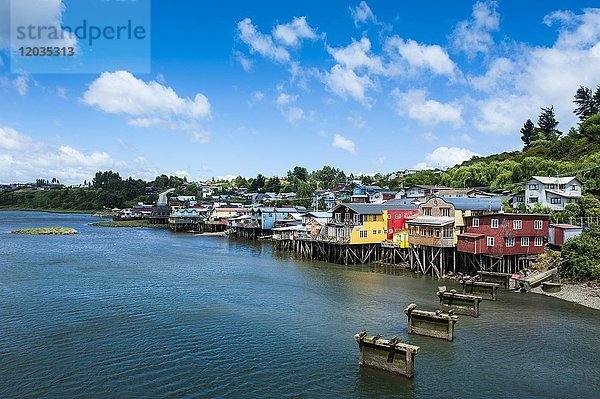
x=355, y=223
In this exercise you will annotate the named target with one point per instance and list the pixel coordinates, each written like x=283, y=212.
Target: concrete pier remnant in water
x=484, y=290
x=431, y=324
x=459, y=303
x=388, y=355
x=503, y=279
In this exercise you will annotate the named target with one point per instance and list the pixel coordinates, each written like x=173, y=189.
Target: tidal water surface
x=139, y=312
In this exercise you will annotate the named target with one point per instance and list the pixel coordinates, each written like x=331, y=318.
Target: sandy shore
x=586, y=294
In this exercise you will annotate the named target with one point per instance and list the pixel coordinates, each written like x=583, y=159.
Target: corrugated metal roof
x=375, y=209
x=432, y=220
x=475, y=204
x=554, y=180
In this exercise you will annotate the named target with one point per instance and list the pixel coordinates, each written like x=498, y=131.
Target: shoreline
x=585, y=294
x=67, y=211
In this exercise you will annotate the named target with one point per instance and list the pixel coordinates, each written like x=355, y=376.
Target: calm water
x=147, y=313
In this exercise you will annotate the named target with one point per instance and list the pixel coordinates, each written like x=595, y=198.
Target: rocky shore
x=586, y=294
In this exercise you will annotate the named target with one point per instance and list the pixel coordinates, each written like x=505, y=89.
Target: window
x=539, y=241
x=423, y=231
x=389, y=215
x=374, y=218
x=510, y=241
x=475, y=222
x=555, y=200
x=573, y=187
x=346, y=217
x=412, y=231
x=397, y=216
x=520, y=198
x=374, y=232
x=445, y=211
x=363, y=234
x=524, y=241
x=537, y=225
x=447, y=232
x=378, y=231
x=356, y=218
x=429, y=232
x=427, y=211
x=494, y=223
x=437, y=233
x=365, y=218
x=533, y=186
x=338, y=217
x=533, y=200
x=517, y=224
x=490, y=241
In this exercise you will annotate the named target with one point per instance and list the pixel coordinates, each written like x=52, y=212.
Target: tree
x=257, y=183
x=527, y=132
x=583, y=256
x=590, y=127
x=299, y=172
x=547, y=124
x=587, y=102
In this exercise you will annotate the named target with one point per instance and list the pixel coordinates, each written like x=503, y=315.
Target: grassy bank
x=47, y=231
x=130, y=223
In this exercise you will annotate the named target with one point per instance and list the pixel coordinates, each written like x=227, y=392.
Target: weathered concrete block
x=431, y=324
x=459, y=303
x=536, y=279
x=388, y=355
x=551, y=287
x=503, y=279
x=484, y=290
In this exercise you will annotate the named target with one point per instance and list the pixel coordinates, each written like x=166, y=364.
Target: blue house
x=266, y=216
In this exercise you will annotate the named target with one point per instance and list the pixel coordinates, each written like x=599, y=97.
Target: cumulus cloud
x=343, y=143
x=415, y=105
x=284, y=98
x=122, y=93
x=535, y=77
x=419, y=56
x=357, y=55
x=474, y=35
x=446, y=157
x=362, y=13
x=346, y=83
x=294, y=114
x=23, y=159
x=261, y=43
x=292, y=33
x=147, y=104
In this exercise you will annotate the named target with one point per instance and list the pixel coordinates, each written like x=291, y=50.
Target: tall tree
x=527, y=133
x=588, y=103
x=547, y=124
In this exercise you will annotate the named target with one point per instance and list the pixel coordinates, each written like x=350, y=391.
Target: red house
x=504, y=234
x=396, y=220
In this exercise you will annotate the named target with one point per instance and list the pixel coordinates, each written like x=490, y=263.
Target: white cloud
x=244, y=61
x=362, y=13
x=122, y=93
x=415, y=105
x=420, y=56
x=358, y=122
x=200, y=136
x=255, y=98
x=284, y=98
x=445, y=157
x=474, y=36
x=357, y=55
x=292, y=33
x=36, y=13
x=23, y=159
x=261, y=43
x=345, y=82
x=21, y=84
x=61, y=92
x=534, y=77
x=294, y=114
x=343, y=143
x=10, y=139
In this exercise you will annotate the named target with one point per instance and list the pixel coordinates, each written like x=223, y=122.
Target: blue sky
x=240, y=88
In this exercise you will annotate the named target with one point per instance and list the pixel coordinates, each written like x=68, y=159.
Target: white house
x=551, y=192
